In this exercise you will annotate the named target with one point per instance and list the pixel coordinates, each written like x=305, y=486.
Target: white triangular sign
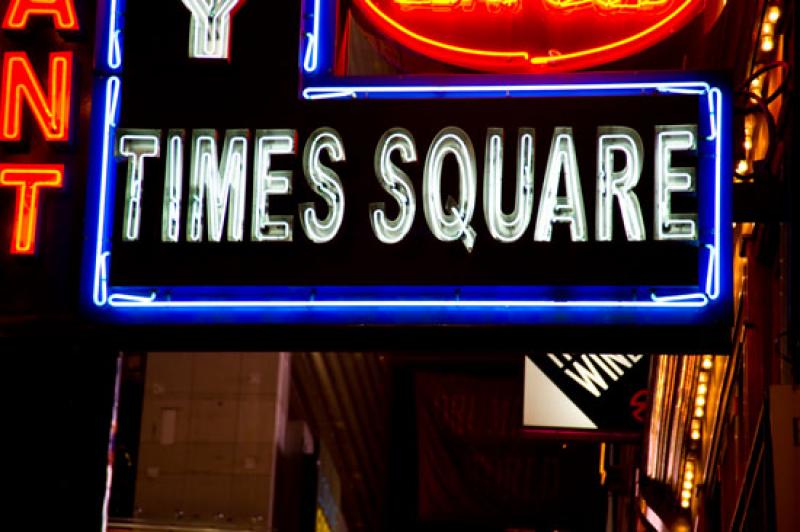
x=547, y=406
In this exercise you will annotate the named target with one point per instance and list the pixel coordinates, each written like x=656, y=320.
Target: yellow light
x=699, y=412
x=687, y=485
x=685, y=503
x=685, y=494
x=767, y=29
x=773, y=13
x=707, y=362
x=703, y=377
x=695, y=435
x=689, y=474
x=742, y=167
x=700, y=400
x=748, y=143
x=767, y=43
x=702, y=389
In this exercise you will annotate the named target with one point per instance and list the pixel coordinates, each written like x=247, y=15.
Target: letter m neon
x=51, y=109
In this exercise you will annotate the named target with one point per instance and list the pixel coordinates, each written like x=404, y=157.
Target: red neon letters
x=527, y=35
x=62, y=12
x=28, y=179
x=49, y=102
x=50, y=110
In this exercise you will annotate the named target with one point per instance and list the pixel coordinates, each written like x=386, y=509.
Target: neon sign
x=527, y=35
x=374, y=202
x=48, y=101
x=218, y=189
x=28, y=179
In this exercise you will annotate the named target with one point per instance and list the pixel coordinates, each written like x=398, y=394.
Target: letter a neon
x=62, y=12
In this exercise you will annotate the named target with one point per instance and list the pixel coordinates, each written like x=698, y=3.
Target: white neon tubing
x=219, y=185
x=508, y=227
x=612, y=184
x=561, y=209
x=100, y=284
x=326, y=183
x=136, y=145
x=397, y=183
x=268, y=182
x=133, y=301
x=114, y=52
x=453, y=222
x=344, y=91
x=210, y=28
x=311, y=59
x=670, y=180
x=173, y=187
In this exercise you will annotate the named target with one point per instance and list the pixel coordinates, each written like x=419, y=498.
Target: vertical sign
x=35, y=104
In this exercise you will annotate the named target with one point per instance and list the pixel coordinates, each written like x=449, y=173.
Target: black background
x=164, y=89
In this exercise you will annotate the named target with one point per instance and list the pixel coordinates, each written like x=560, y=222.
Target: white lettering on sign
x=268, y=182
x=210, y=27
x=397, y=183
x=223, y=182
x=173, y=187
x=594, y=371
x=619, y=184
x=669, y=180
x=508, y=227
x=136, y=146
x=561, y=209
x=324, y=182
x=217, y=186
x=452, y=222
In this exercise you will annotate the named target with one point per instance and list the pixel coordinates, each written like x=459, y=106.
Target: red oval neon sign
x=528, y=35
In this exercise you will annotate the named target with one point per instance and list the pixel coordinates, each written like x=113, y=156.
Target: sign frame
x=708, y=303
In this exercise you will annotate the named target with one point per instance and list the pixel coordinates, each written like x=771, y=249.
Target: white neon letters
x=267, y=182
x=563, y=209
x=669, y=179
x=452, y=222
x=397, y=183
x=225, y=186
x=210, y=28
x=614, y=141
x=217, y=185
x=508, y=227
x=324, y=182
x=173, y=187
x=136, y=145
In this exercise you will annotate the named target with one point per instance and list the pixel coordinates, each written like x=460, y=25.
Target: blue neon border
x=386, y=305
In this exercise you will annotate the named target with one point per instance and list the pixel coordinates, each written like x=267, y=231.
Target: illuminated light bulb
x=703, y=377
x=700, y=401
x=742, y=167
x=685, y=494
x=767, y=43
x=699, y=412
x=748, y=143
x=689, y=474
x=685, y=503
x=687, y=485
x=707, y=362
x=702, y=389
x=767, y=29
x=695, y=434
x=774, y=14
